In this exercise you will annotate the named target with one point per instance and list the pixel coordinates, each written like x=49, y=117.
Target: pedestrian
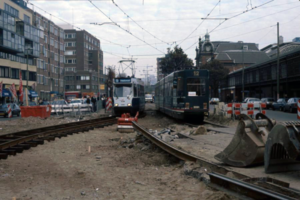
x=88, y=101
x=94, y=101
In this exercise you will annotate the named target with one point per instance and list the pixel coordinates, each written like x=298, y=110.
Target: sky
x=144, y=29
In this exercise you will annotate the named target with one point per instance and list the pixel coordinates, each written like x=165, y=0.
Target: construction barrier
x=36, y=111
x=108, y=103
x=298, y=109
x=251, y=109
x=9, y=114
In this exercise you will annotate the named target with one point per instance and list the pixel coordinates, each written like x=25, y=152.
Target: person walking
x=94, y=101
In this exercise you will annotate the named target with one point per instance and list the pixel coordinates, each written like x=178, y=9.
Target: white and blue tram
x=128, y=96
x=184, y=94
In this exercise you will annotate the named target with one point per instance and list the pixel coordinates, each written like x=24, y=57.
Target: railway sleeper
x=49, y=138
x=3, y=155
x=17, y=149
x=9, y=152
x=38, y=141
x=24, y=146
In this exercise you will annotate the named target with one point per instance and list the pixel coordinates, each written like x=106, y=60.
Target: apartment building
x=50, y=64
x=83, y=63
x=19, y=44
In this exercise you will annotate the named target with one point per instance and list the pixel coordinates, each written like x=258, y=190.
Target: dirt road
x=64, y=169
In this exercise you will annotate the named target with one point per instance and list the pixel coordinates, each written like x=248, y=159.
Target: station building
x=19, y=45
x=261, y=78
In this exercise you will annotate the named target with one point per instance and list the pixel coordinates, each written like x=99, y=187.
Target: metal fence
x=76, y=110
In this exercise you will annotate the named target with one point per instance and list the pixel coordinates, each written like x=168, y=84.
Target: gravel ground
x=65, y=169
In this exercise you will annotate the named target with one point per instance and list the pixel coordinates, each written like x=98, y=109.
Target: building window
x=87, y=87
x=11, y=10
x=56, y=82
x=70, y=35
x=61, y=33
x=26, y=19
x=51, y=41
x=56, y=57
x=61, y=59
x=56, y=44
x=78, y=87
x=70, y=44
x=70, y=69
x=70, y=61
x=55, y=31
x=51, y=28
x=61, y=46
x=46, y=40
x=69, y=53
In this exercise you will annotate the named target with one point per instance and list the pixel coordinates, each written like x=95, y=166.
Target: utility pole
x=146, y=78
x=243, y=75
x=278, y=60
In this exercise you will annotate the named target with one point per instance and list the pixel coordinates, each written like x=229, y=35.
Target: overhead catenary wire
x=137, y=23
x=122, y=45
x=123, y=28
x=246, y=11
x=200, y=23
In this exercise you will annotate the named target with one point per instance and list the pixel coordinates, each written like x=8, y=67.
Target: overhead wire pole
x=278, y=52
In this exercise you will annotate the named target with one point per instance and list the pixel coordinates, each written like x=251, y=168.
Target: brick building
x=50, y=64
x=83, y=63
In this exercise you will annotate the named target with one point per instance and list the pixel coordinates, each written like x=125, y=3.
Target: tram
x=184, y=94
x=128, y=95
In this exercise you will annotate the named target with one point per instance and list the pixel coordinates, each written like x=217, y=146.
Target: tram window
x=122, y=90
x=195, y=87
x=180, y=86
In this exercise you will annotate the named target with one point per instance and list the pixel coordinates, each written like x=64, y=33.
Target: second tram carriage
x=128, y=95
x=184, y=94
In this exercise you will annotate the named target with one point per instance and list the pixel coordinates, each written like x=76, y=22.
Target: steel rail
x=214, y=167
x=27, y=139
x=244, y=188
x=25, y=132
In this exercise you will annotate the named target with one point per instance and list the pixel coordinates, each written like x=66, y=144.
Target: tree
x=217, y=72
x=176, y=59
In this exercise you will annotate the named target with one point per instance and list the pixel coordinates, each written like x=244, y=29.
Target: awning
x=6, y=93
x=53, y=92
x=33, y=93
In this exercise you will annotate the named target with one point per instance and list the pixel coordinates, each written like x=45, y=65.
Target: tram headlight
x=116, y=104
x=129, y=104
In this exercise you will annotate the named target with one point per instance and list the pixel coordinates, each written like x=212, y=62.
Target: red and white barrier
x=108, y=103
x=245, y=108
x=9, y=114
x=298, y=109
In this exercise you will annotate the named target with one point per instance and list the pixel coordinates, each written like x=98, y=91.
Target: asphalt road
x=6, y=119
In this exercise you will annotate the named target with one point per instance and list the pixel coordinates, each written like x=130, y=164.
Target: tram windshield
x=196, y=87
x=122, y=90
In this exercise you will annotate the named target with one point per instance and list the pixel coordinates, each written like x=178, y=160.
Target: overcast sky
x=173, y=22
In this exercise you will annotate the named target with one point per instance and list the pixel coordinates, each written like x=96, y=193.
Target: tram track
x=273, y=189
x=13, y=143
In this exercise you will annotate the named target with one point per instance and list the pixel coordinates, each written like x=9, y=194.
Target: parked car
x=148, y=98
x=279, y=105
x=291, y=104
x=251, y=100
x=31, y=103
x=268, y=101
x=80, y=102
x=45, y=103
x=15, y=109
x=214, y=100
